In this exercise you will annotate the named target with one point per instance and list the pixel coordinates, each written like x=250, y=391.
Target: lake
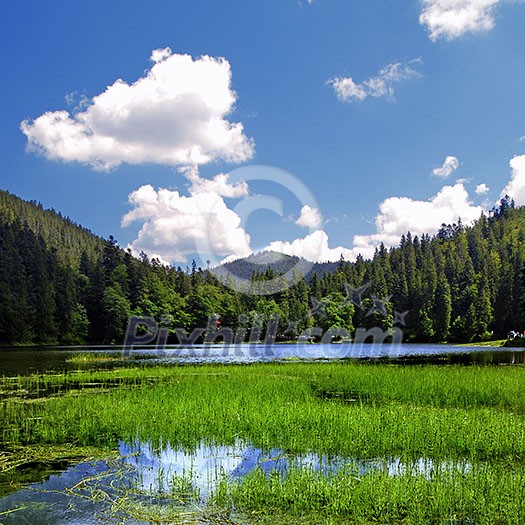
x=29, y=360
x=161, y=475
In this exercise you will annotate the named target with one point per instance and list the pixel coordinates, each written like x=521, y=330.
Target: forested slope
x=59, y=283
x=69, y=239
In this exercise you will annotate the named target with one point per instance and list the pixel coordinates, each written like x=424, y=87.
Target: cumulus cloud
x=219, y=185
x=450, y=165
x=313, y=247
x=481, y=189
x=399, y=215
x=515, y=188
x=396, y=217
x=382, y=85
x=309, y=217
x=175, y=226
x=176, y=114
x=451, y=19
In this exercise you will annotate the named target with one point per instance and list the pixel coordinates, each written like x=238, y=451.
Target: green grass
x=487, y=495
x=496, y=343
x=91, y=357
x=450, y=413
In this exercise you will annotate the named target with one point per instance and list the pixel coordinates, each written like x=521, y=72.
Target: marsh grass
x=353, y=410
x=486, y=495
x=493, y=343
x=92, y=357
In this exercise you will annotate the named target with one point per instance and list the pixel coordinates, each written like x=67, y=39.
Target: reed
x=473, y=415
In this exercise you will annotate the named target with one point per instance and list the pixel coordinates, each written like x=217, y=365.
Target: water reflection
x=146, y=472
x=205, y=465
x=46, y=503
x=14, y=361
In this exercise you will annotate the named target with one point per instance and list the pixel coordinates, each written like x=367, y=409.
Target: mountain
x=274, y=263
x=60, y=283
x=59, y=233
x=70, y=240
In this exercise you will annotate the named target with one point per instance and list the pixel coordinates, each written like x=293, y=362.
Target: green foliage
x=484, y=494
x=70, y=240
x=60, y=283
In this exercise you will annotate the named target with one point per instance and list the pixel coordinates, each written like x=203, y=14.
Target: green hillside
x=58, y=232
x=59, y=283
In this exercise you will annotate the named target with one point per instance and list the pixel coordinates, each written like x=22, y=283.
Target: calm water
x=149, y=473
x=27, y=360
x=149, y=476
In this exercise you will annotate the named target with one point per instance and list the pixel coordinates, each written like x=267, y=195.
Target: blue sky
x=393, y=116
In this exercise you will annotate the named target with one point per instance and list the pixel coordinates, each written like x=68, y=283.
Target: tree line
x=59, y=283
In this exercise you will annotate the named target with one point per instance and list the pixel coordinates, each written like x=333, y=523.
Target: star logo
x=355, y=295
x=379, y=306
x=399, y=318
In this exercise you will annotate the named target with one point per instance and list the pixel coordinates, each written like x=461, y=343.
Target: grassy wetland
x=456, y=434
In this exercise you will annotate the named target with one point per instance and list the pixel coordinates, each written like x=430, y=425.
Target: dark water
x=28, y=360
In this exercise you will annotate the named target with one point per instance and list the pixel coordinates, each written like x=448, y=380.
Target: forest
x=62, y=284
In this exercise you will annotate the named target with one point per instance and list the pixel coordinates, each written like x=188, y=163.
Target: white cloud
x=522, y=139
x=174, y=115
x=396, y=217
x=175, y=226
x=218, y=185
x=450, y=165
x=481, y=189
x=515, y=188
x=309, y=217
x=314, y=247
x=382, y=85
x=399, y=215
x=451, y=19
x=158, y=55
